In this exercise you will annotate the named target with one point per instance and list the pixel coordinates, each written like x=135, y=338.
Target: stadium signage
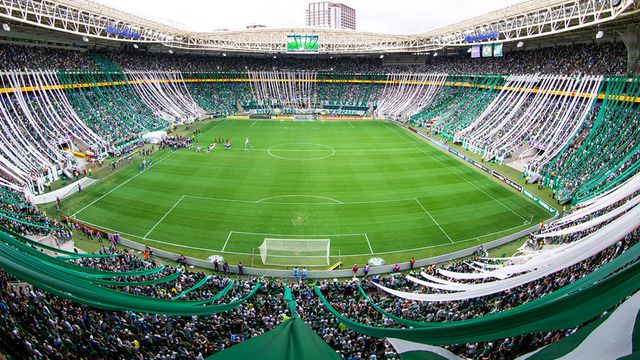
x=539, y=202
x=498, y=176
x=492, y=35
x=513, y=185
x=114, y=30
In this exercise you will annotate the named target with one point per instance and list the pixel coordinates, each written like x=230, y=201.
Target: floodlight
x=6, y=27
x=224, y=54
x=170, y=51
x=599, y=34
x=85, y=39
x=435, y=53
x=520, y=44
x=382, y=56
x=135, y=46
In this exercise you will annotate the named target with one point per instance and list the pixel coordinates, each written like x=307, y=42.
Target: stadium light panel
x=170, y=51
x=6, y=27
x=599, y=34
x=85, y=39
x=224, y=54
x=435, y=54
x=135, y=46
x=382, y=56
x=520, y=44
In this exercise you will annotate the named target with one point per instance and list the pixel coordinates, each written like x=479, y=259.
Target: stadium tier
x=472, y=192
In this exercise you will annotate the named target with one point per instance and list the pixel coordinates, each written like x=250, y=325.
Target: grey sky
x=391, y=16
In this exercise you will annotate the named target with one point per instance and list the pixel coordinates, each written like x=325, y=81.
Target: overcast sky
x=389, y=16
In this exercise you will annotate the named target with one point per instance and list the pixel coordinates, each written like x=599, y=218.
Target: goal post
x=295, y=252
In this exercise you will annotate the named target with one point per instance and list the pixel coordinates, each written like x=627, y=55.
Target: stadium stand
x=568, y=113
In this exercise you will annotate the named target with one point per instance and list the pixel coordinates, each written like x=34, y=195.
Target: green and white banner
x=416, y=351
x=613, y=336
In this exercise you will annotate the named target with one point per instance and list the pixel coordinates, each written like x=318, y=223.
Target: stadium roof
x=104, y=25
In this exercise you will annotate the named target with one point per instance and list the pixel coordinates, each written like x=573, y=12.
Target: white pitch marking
x=164, y=216
x=226, y=241
x=296, y=235
x=119, y=186
x=273, y=148
x=222, y=122
x=261, y=201
x=305, y=196
x=340, y=150
x=475, y=238
x=435, y=222
x=456, y=173
x=368, y=243
x=135, y=176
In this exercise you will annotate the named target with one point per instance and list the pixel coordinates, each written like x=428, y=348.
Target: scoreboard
x=302, y=43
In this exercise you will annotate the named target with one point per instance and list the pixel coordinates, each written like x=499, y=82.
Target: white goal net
x=295, y=252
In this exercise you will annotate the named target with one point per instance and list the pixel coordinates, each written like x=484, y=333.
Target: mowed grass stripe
x=377, y=188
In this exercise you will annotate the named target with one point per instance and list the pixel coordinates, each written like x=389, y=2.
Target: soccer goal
x=295, y=252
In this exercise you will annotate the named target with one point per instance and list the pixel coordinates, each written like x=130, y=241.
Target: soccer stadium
x=359, y=181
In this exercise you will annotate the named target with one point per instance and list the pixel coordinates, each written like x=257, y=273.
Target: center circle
x=301, y=151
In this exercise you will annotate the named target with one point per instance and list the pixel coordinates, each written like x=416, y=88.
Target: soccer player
x=247, y=145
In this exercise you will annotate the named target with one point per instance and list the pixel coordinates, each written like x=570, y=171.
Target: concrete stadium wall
x=326, y=274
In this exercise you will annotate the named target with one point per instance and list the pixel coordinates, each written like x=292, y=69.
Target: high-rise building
x=331, y=15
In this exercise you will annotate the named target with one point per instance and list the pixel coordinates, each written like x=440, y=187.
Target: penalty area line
x=226, y=241
x=164, y=216
x=368, y=243
x=475, y=238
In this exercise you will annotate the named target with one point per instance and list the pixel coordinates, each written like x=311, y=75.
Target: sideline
x=135, y=176
x=454, y=172
x=120, y=185
x=434, y=221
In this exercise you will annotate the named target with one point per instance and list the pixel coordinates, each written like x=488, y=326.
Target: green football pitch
x=372, y=188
